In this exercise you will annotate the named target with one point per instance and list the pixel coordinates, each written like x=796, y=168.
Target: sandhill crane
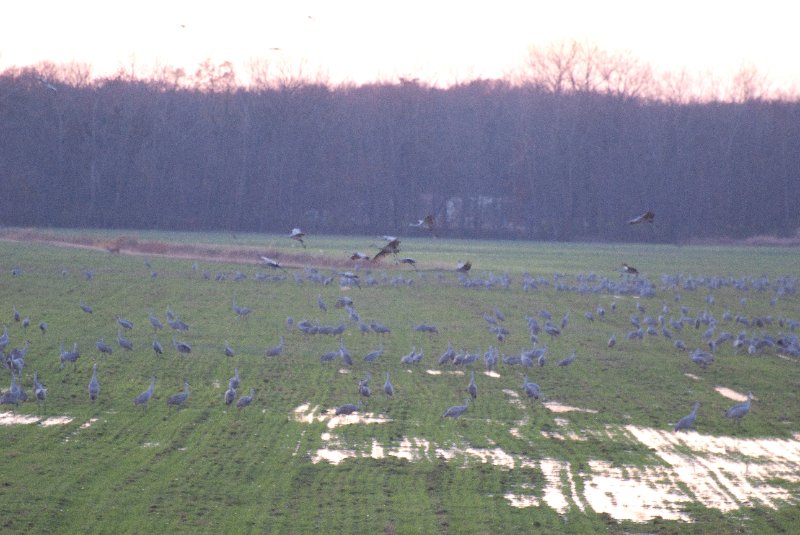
x=456, y=410
x=388, y=387
x=145, y=396
x=127, y=324
x=180, y=346
x=124, y=342
x=531, y=390
x=472, y=388
x=155, y=322
x=39, y=390
x=234, y=381
x=463, y=267
x=69, y=356
x=372, y=356
x=392, y=247
x=646, y=217
x=157, y=347
x=427, y=223
x=4, y=339
x=177, y=400
x=271, y=263
x=276, y=350
x=358, y=255
x=244, y=401
x=687, y=422
x=297, y=235
x=348, y=408
x=230, y=395
x=103, y=347
x=740, y=410
x=567, y=361
x=94, y=385
x=229, y=350
x=241, y=312
x=630, y=270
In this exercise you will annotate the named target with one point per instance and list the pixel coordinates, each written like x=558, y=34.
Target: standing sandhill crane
x=372, y=356
x=86, y=308
x=240, y=311
x=472, y=388
x=94, y=385
x=740, y=410
x=177, y=400
x=127, y=324
x=11, y=397
x=297, y=235
x=456, y=410
x=69, y=356
x=348, y=408
x=157, y=347
x=244, y=401
x=145, y=396
x=234, y=381
x=124, y=342
x=4, y=339
x=646, y=217
x=388, y=387
x=155, y=322
x=276, y=350
x=39, y=390
x=103, y=347
x=230, y=395
x=531, y=390
x=228, y=350
x=180, y=346
x=567, y=361
x=687, y=422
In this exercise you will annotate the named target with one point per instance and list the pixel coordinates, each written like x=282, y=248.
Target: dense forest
x=563, y=155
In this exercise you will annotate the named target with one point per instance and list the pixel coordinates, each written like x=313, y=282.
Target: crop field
x=596, y=452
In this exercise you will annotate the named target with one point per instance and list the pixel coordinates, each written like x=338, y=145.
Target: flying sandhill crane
x=297, y=235
x=426, y=223
x=629, y=269
x=269, y=262
x=392, y=247
x=463, y=267
x=646, y=217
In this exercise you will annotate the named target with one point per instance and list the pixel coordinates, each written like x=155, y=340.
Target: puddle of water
x=56, y=420
x=731, y=394
x=692, y=376
x=433, y=372
x=9, y=418
x=628, y=493
x=492, y=374
x=88, y=423
x=555, y=406
x=511, y=393
x=150, y=444
x=344, y=370
x=725, y=473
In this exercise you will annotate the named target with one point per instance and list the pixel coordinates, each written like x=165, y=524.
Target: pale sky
x=436, y=41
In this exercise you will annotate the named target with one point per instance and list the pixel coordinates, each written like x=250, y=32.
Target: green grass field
x=285, y=464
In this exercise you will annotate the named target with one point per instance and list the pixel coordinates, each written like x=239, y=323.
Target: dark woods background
x=569, y=153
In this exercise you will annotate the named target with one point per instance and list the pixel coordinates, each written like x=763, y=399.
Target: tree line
x=569, y=153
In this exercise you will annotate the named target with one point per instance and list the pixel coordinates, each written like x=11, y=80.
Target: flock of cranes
x=528, y=359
